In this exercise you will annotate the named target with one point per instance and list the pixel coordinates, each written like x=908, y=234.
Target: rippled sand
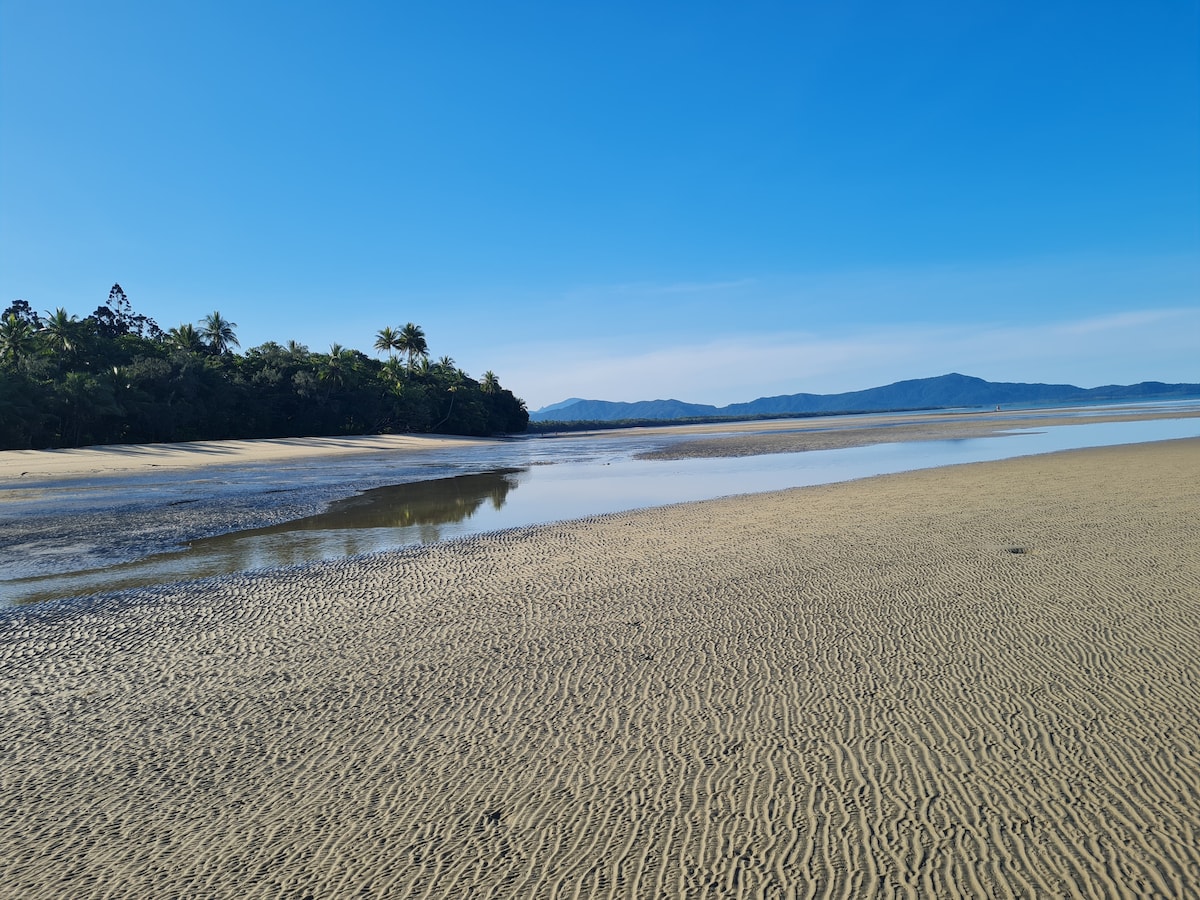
x=979, y=681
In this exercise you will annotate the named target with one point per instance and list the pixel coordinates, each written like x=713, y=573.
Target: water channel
x=531, y=482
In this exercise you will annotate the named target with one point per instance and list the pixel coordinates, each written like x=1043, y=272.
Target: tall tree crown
x=218, y=332
x=412, y=343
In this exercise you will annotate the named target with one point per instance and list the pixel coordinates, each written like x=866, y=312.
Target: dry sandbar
x=131, y=459
x=842, y=432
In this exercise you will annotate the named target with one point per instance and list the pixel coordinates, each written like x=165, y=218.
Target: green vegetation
x=115, y=377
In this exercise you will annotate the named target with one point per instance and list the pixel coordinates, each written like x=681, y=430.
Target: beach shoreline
x=96, y=508
x=25, y=468
x=30, y=466
x=948, y=682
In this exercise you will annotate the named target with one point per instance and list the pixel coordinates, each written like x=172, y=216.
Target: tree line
x=116, y=377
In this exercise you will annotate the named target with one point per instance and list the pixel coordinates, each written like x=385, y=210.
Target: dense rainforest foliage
x=116, y=377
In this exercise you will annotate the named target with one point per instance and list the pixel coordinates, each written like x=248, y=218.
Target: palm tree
x=387, y=340
x=391, y=372
x=296, y=350
x=411, y=342
x=333, y=370
x=490, y=383
x=218, y=331
x=16, y=338
x=185, y=337
x=61, y=330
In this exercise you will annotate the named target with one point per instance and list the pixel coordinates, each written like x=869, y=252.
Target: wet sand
x=99, y=506
x=974, y=681
x=798, y=436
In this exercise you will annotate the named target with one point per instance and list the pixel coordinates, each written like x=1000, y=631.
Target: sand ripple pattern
x=972, y=682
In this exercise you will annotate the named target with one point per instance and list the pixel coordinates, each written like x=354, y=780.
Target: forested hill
x=944, y=391
x=116, y=377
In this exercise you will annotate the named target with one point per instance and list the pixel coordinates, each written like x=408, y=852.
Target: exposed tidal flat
x=97, y=520
x=973, y=681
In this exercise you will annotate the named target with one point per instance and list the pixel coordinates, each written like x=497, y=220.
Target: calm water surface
x=589, y=477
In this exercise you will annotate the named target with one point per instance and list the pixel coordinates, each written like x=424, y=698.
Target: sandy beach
x=964, y=682
x=132, y=459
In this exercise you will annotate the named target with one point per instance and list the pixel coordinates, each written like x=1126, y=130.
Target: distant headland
x=943, y=392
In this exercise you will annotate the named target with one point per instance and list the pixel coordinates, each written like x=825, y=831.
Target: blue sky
x=708, y=201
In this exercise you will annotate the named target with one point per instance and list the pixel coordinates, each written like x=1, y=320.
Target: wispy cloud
x=1124, y=347
x=1122, y=321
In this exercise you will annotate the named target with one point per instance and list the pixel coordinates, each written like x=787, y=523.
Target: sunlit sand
x=976, y=681
x=120, y=459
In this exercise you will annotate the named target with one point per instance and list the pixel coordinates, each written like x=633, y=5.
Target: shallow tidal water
x=516, y=484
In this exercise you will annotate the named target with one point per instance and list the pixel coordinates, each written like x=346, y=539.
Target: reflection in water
x=591, y=477
x=377, y=519
x=424, y=503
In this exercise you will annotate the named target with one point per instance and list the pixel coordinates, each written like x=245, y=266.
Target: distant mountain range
x=944, y=391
